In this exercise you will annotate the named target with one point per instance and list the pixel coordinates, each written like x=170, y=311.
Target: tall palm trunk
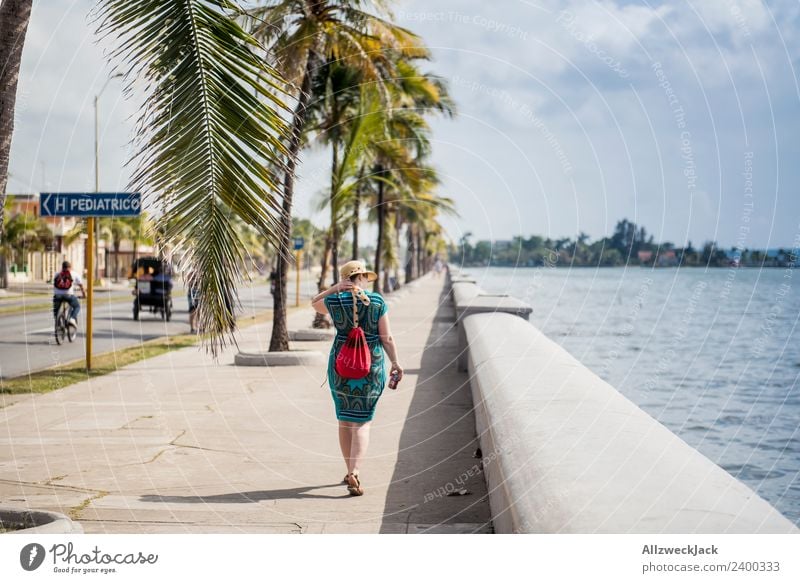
x=14, y=18
x=117, y=245
x=379, y=244
x=398, y=224
x=279, y=342
x=356, y=213
x=387, y=251
x=411, y=253
x=420, y=252
x=334, y=214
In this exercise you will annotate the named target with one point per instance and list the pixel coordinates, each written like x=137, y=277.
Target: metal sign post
x=90, y=205
x=298, y=247
x=89, y=291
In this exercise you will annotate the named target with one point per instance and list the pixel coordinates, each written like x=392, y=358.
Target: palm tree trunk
x=379, y=245
x=420, y=252
x=398, y=224
x=14, y=18
x=279, y=342
x=411, y=255
x=334, y=226
x=117, y=245
x=386, y=252
x=357, y=213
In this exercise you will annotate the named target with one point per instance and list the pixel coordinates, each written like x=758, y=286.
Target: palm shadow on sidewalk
x=246, y=497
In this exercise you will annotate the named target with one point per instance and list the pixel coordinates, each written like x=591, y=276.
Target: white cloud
x=532, y=93
x=737, y=18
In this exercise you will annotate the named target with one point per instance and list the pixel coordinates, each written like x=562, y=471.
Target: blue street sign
x=90, y=204
x=298, y=243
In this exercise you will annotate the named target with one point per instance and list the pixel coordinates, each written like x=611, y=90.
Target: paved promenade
x=181, y=444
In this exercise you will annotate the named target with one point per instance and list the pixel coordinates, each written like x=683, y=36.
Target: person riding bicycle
x=64, y=283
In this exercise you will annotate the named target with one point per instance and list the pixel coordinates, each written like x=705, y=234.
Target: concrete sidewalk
x=180, y=444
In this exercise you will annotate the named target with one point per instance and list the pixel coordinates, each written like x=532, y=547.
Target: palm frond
x=209, y=137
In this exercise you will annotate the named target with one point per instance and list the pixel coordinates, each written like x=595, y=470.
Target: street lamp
x=96, y=249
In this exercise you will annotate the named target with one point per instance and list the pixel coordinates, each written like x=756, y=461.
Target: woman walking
x=355, y=399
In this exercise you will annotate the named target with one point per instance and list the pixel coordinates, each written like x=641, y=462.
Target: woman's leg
x=358, y=445
x=344, y=442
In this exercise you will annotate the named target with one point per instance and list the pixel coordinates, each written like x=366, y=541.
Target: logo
x=31, y=556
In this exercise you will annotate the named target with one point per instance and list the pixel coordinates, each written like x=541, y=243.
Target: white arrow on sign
x=46, y=205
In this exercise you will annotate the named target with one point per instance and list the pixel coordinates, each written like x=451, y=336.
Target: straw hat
x=352, y=267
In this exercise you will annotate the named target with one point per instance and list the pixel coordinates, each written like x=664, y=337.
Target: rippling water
x=713, y=354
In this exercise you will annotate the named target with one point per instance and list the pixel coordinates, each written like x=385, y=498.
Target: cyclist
x=64, y=283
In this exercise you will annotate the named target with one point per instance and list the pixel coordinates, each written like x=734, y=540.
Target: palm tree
x=430, y=242
x=116, y=230
x=415, y=93
x=142, y=228
x=340, y=86
x=419, y=214
x=24, y=233
x=210, y=137
x=301, y=36
x=397, y=168
x=411, y=89
x=14, y=18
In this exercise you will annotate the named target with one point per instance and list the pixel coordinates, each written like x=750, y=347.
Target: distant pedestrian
x=350, y=304
x=193, y=296
x=230, y=312
x=438, y=267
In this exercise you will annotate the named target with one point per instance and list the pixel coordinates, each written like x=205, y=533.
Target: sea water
x=712, y=354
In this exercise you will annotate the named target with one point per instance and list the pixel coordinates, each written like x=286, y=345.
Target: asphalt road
x=27, y=343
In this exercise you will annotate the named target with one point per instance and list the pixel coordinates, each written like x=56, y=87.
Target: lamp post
x=94, y=225
x=93, y=230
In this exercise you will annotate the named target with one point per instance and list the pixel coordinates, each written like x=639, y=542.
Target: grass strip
x=55, y=378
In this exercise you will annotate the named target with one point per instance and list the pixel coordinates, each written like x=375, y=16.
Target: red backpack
x=354, y=359
x=63, y=279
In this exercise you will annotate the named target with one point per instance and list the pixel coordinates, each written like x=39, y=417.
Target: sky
x=680, y=116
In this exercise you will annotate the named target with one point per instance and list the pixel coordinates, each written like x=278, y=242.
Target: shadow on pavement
x=245, y=497
x=437, y=444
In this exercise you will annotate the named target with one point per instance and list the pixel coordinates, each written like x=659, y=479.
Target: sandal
x=344, y=480
x=354, y=485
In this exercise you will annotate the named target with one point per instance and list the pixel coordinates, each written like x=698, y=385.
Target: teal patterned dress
x=355, y=399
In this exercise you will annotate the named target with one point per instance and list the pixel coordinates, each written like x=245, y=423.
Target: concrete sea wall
x=565, y=452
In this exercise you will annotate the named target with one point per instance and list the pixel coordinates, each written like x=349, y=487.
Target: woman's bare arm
x=384, y=331
x=318, y=301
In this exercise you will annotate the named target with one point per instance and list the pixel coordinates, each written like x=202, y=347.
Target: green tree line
x=630, y=244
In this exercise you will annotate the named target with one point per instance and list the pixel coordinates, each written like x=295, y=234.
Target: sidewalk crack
x=74, y=513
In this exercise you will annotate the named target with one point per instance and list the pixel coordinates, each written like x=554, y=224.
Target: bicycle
x=63, y=328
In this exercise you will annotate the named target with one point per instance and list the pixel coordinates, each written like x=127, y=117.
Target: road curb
x=288, y=358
